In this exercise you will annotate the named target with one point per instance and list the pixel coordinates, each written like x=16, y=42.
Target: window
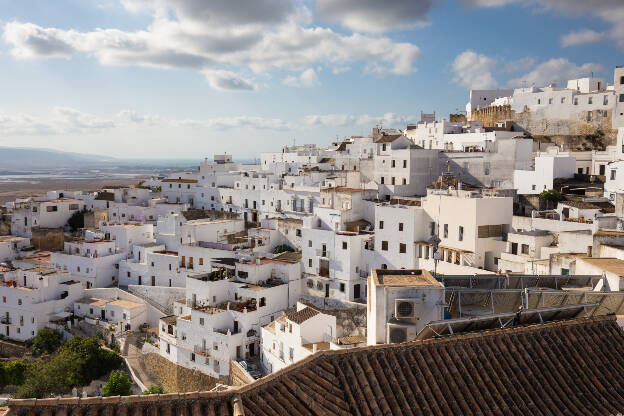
x=201, y=321
x=613, y=174
x=486, y=168
x=291, y=353
x=432, y=228
x=309, y=262
x=405, y=164
x=400, y=226
x=393, y=163
x=382, y=178
x=201, y=261
x=525, y=249
x=404, y=181
x=298, y=233
x=19, y=301
x=381, y=224
x=445, y=230
x=590, y=100
x=262, y=301
x=539, y=101
x=402, y=248
x=622, y=98
x=605, y=100
x=342, y=287
x=384, y=266
x=533, y=187
x=460, y=237
x=309, y=243
x=193, y=356
x=383, y=147
x=562, y=100
x=550, y=101
x=576, y=101
x=344, y=245
x=393, y=180
x=384, y=245
x=51, y=208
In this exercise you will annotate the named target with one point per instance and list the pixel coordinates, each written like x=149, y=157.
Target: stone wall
x=49, y=239
x=238, y=375
x=10, y=349
x=175, y=378
x=489, y=116
x=162, y=297
x=350, y=316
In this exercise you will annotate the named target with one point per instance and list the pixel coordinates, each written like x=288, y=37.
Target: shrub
x=13, y=372
x=118, y=384
x=76, y=363
x=47, y=341
x=76, y=221
x=552, y=195
x=282, y=248
x=115, y=347
x=155, y=389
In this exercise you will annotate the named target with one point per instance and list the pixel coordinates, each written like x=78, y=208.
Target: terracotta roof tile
x=302, y=315
x=571, y=367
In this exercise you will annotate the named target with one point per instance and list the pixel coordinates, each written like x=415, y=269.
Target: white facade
x=400, y=304
x=547, y=169
x=292, y=337
x=30, y=298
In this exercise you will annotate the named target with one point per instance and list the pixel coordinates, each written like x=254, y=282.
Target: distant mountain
x=24, y=158
x=37, y=159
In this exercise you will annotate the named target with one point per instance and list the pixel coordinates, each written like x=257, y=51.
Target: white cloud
x=610, y=11
x=220, y=38
x=474, y=71
x=582, y=37
x=307, y=79
x=375, y=16
x=346, y=120
x=554, y=70
x=64, y=120
x=228, y=81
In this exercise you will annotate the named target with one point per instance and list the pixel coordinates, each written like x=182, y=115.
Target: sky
x=193, y=78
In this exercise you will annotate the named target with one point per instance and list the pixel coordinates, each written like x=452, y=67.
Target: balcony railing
x=5, y=320
x=201, y=350
x=322, y=253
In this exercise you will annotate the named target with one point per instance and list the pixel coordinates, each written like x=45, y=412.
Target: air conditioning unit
x=396, y=333
x=406, y=308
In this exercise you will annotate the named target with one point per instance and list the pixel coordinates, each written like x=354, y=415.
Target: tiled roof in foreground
x=573, y=367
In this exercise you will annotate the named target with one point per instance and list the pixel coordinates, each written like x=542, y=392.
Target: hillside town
x=370, y=276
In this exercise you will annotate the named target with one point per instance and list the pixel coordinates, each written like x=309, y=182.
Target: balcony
x=201, y=350
x=322, y=253
x=5, y=320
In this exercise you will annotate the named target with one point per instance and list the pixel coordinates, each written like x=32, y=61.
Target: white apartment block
x=30, y=298
x=11, y=245
x=94, y=263
x=221, y=318
x=52, y=213
x=126, y=315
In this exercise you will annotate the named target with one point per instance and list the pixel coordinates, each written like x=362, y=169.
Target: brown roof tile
x=571, y=367
x=302, y=315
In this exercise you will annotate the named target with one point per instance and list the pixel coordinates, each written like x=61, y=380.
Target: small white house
x=547, y=169
x=400, y=303
x=294, y=336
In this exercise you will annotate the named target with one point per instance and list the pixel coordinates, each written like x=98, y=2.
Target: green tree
x=47, y=341
x=551, y=195
x=118, y=384
x=282, y=248
x=76, y=363
x=155, y=389
x=13, y=373
x=76, y=221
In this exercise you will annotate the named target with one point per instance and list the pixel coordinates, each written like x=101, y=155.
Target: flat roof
x=93, y=301
x=608, y=264
x=404, y=277
x=126, y=304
